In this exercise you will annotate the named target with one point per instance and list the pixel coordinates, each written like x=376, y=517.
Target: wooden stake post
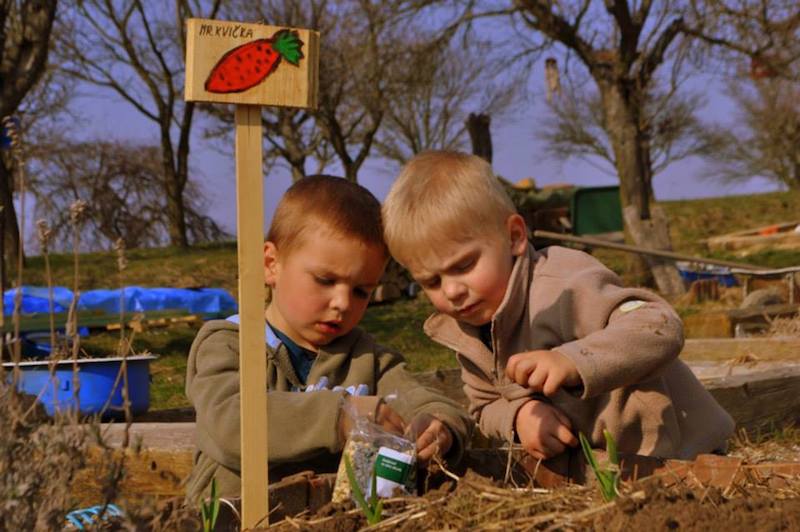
x=251, y=65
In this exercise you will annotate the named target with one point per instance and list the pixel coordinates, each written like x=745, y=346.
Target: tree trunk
x=654, y=234
x=176, y=212
x=632, y=155
x=292, y=150
x=9, y=217
x=174, y=185
x=297, y=174
x=480, y=135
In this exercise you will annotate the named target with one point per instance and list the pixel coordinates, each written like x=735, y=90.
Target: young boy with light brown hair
x=323, y=257
x=549, y=341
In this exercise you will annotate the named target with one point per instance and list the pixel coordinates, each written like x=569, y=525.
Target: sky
x=517, y=154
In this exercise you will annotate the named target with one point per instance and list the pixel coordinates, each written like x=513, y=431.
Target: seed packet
x=369, y=447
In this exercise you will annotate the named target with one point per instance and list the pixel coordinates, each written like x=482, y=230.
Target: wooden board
x=210, y=43
x=712, y=324
x=94, y=320
x=759, y=396
x=728, y=349
x=164, y=436
x=781, y=236
x=765, y=230
x=252, y=342
x=726, y=323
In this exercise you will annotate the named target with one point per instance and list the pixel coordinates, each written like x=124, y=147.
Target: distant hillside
x=691, y=221
x=208, y=265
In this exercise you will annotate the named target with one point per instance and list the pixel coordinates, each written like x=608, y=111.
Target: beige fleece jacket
x=303, y=426
x=623, y=341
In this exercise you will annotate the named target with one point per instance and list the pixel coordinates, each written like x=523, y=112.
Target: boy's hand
x=389, y=419
x=433, y=437
x=543, y=371
x=544, y=431
x=374, y=409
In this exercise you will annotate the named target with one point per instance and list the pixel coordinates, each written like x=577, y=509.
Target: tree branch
x=656, y=55
x=557, y=28
x=22, y=68
x=629, y=29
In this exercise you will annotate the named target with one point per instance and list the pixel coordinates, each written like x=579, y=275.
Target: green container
x=596, y=210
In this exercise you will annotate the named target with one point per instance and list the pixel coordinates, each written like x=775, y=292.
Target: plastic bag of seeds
x=369, y=447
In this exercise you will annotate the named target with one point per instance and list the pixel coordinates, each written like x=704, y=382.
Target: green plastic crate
x=596, y=210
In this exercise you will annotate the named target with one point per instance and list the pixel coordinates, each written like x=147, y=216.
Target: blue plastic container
x=96, y=377
x=721, y=274
x=36, y=344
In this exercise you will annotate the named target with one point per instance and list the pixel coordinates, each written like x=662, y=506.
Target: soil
x=477, y=503
x=663, y=509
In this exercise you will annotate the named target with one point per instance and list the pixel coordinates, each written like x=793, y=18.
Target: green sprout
x=608, y=474
x=209, y=510
x=372, y=509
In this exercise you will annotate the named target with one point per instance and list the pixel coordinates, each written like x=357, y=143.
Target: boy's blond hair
x=442, y=196
x=332, y=203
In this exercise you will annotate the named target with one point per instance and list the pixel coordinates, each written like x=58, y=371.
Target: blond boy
x=549, y=341
x=323, y=256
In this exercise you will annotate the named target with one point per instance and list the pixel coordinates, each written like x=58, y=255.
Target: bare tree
x=136, y=50
x=669, y=120
x=366, y=55
x=757, y=46
x=25, y=28
x=621, y=46
x=447, y=81
x=621, y=63
x=765, y=32
x=120, y=182
x=356, y=79
x=764, y=138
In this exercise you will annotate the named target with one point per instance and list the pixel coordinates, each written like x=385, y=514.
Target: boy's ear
x=270, y=263
x=518, y=234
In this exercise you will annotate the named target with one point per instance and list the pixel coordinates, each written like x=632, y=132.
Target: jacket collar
x=334, y=355
x=465, y=338
x=515, y=302
x=342, y=346
x=337, y=350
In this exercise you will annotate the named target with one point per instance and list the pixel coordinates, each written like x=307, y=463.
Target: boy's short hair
x=443, y=196
x=341, y=206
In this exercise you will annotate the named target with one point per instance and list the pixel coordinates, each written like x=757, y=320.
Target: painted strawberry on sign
x=246, y=66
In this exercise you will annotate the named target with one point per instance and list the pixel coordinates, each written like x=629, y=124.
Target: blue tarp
x=35, y=299
x=137, y=299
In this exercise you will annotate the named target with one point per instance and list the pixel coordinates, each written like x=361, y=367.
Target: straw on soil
x=478, y=503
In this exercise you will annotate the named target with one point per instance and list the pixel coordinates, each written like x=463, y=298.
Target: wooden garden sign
x=251, y=65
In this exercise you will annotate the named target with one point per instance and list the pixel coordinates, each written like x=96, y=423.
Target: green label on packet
x=391, y=469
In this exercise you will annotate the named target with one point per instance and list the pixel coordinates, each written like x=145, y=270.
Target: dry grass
x=42, y=462
x=784, y=327
x=38, y=459
x=477, y=503
x=779, y=445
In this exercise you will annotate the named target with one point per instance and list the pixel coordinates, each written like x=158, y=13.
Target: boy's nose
x=454, y=290
x=341, y=299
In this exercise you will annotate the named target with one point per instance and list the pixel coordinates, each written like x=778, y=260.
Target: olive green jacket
x=303, y=426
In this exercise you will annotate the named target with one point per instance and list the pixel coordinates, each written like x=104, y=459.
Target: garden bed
x=474, y=502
